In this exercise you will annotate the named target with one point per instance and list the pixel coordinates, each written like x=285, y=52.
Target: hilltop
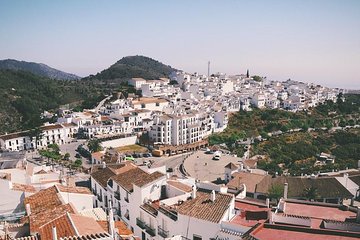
x=37, y=69
x=134, y=66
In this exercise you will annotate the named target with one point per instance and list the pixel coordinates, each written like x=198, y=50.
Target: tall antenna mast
x=208, y=69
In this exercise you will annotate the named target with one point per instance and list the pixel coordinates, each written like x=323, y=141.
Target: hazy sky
x=312, y=41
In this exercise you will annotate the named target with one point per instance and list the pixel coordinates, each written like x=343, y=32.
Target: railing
x=150, y=230
x=171, y=214
x=99, y=197
x=117, y=196
x=140, y=223
x=162, y=232
x=118, y=212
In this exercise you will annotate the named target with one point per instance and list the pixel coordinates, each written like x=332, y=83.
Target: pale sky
x=305, y=40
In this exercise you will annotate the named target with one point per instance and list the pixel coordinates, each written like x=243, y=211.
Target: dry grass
x=131, y=149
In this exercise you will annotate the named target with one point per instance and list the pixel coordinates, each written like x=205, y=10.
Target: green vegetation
x=135, y=66
x=52, y=153
x=295, y=150
x=276, y=191
x=24, y=96
x=94, y=145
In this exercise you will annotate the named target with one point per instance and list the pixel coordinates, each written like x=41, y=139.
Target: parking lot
x=202, y=166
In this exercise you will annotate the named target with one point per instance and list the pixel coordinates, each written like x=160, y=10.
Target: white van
x=217, y=155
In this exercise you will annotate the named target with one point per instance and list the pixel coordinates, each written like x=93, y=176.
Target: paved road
x=71, y=148
x=96, y=109
x=173, y=162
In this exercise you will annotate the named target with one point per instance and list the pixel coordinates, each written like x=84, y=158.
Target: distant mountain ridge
x=37, y=69
x=135, y=66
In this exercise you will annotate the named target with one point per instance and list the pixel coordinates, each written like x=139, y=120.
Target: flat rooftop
x=316, y=211
x=269, y=233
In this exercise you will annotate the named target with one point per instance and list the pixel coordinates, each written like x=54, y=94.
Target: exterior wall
x=79, y=201
x=301, y=221
x=119, y=142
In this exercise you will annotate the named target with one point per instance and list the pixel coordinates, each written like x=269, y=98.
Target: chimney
x=28, y=209
x=111, y=220
x=241, y=166
x=358, y=215
x=213, y=196
x=103, y=165
x=267, y=202
x=286, y=188
x=54, y=234
x=193, y=195
x=346, y=177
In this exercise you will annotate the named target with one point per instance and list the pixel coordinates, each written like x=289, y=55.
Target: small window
x=197, y=237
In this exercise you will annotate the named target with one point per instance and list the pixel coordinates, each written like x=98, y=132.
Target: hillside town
x=154, y=175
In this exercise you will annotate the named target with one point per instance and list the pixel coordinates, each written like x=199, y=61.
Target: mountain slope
x=23, y=96
x=37, y=68
x=135, y=66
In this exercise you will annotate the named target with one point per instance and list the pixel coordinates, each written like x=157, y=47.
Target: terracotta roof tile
x=23, y=187
x=63, y=226
x=203, y=208
x=46, y=216
x=43, y=200
x=121, y=227
x=135, y=176
x=179, y=185
x=231, y=166
x=327, y=187
x=80, y=190
x=249, y=179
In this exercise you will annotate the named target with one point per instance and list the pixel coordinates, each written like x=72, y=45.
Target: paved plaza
x=201, y=165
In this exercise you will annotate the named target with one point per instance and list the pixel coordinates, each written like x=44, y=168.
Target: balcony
x=168, y=212
x=140, y=223
x=118, y=212
x=99, y=197
x=150, y=230
x=117, y=196
x=163, y=233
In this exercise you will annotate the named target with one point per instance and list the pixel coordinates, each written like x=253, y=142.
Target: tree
x=94, y=145
x=276, y=191
x=67, y=156
x=257, y=78
x=311, y=193
x=37, y=134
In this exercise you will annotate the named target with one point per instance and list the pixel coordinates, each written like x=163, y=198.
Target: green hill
x=23, y=96
x=134, y=66
x=37, y=68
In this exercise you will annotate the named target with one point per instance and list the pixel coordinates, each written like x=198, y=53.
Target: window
x=157, y=104
x=197, y=237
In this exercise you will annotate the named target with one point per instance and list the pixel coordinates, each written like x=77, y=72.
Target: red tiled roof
x=320, y=212
x=179, y=185
x=80, y=190
x=23, y=187
x=271, y=232
x=249, y=179
x=63, y=226
x=203, y=208
x=43, y=200
x=46, y=216
x=121, y=227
